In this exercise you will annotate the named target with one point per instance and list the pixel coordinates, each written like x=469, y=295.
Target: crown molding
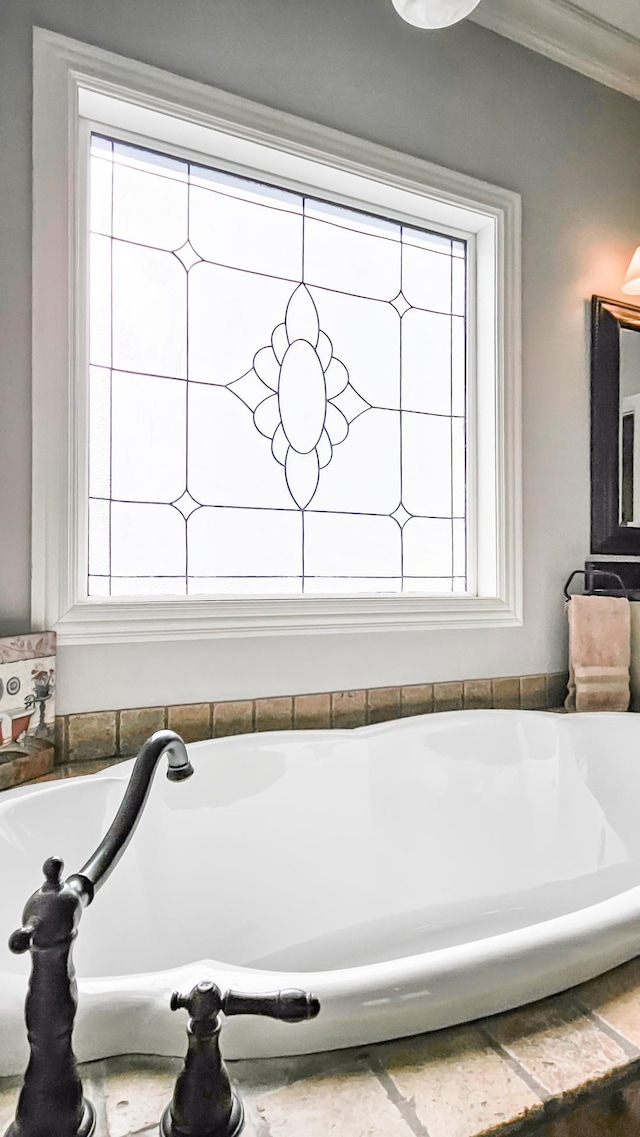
x=568, y=35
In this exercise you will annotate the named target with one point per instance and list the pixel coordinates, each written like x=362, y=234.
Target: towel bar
x=593, y=590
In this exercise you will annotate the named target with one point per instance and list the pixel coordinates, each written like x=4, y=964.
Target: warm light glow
x=434, y=13
x=632, y=280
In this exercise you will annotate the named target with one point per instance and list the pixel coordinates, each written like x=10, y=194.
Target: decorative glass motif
x=302, y=418
x=277, y=398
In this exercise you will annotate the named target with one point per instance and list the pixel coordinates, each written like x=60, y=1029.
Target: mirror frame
x=608, y=317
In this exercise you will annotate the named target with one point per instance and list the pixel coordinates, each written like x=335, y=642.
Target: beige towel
x=635, y=656
x=599, y=653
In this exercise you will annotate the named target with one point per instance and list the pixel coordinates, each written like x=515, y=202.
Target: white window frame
x=77, y=86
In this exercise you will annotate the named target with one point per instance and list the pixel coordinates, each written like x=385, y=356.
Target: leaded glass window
x=277, y=396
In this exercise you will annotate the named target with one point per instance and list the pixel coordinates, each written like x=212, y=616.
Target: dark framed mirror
x=615, y=427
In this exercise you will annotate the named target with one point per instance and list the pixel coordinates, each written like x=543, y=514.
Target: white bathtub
x=411, y=875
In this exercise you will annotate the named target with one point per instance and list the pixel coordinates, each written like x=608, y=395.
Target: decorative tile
x=348, y=709
x=343, y=1105
x=562, y=1049
x=556, y=685
x=33, y=645
x=232, y=718
x=447, y=696
x=383, y=704
x=533, y=692
x=477, y=694
x=615, y=997
x=417, y=699
x=506, y=693
x=92, y=736
x=459, y=1085
x=312, y=712
x=192, y=722
x=137, y=725
x=274, y=714
x=27, y=697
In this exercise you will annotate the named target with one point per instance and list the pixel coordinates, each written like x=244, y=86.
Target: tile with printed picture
x=27, y=692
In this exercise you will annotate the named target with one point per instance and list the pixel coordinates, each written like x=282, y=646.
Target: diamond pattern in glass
x=301, y=388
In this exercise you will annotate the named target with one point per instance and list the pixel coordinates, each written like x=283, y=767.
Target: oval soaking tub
x=412, y=875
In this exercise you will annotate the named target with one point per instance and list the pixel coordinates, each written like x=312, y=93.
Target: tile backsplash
x=109, y=735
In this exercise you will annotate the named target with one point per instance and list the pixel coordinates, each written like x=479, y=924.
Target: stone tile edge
x=381, y=704
x=533, y=1122
x=557, y=1106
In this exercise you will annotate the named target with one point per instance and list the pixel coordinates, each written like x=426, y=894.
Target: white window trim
x=75, y=82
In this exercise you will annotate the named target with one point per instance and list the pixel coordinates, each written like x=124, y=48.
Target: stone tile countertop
x=510, y=1073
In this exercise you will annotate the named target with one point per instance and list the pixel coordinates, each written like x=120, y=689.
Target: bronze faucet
x=51, y=1102
x=204, y=1103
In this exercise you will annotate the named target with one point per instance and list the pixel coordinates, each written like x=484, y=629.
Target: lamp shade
x=632, y=280
x=434, y=13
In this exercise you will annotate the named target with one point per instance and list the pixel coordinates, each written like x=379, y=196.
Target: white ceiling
x=623, y=14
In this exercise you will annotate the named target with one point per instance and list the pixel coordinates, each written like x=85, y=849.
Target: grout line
x=406, y=1106
x=630, y=1049
x=396, y=713
x=532, y=1082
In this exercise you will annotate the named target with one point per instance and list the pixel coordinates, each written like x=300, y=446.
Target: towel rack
x=594, y=591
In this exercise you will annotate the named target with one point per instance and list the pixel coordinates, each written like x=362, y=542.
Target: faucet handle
x=20, y=940
x=292, y=1006
x=203, y=1001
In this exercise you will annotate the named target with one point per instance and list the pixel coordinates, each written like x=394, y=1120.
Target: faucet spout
x=51, y=1102
x=103, y=861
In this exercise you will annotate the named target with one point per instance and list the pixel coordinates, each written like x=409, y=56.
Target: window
x=277, y=389
x=292, y=378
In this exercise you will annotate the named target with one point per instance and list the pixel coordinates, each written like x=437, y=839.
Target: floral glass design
x=305, y=416
x=277, y=390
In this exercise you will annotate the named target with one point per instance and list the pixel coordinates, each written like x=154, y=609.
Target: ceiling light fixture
x=434, y=13
x=632, y=280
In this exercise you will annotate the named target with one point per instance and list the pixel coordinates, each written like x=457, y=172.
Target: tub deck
x=503, y=1075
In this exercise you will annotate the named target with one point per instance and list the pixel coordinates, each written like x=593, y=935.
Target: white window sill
x=123, y=621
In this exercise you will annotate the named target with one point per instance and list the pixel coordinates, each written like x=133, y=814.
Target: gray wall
x=464, y=98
